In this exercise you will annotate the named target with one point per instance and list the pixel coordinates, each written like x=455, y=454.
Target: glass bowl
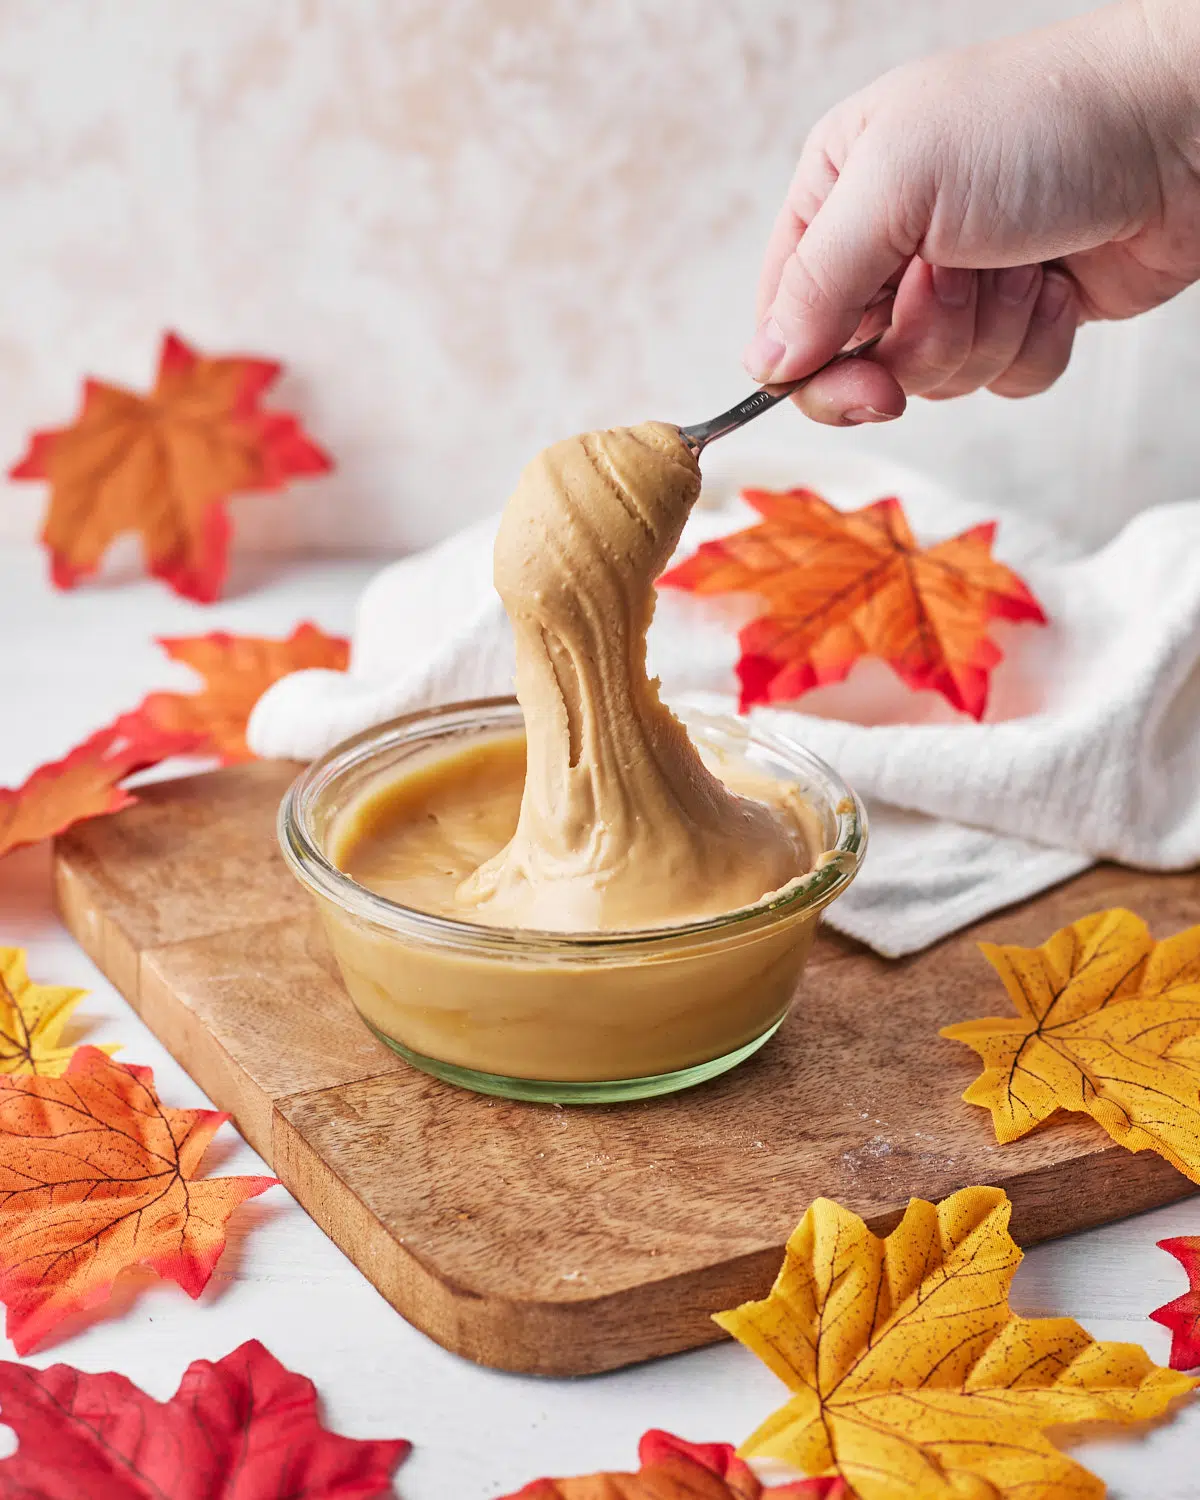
x=565, y=1018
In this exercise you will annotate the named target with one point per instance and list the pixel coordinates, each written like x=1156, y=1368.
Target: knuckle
x=814, y=177
x=960, y=385
x=1015, y=385
x=1034, y=371
x=937, y=364
x=984, y=365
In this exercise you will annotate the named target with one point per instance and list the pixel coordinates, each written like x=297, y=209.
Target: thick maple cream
x=417, y=838
x=603, y=818
x=621, y=824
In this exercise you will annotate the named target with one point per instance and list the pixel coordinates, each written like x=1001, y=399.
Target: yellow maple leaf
x=32, y=1017
x=912, y=1376
x=1108, y=1023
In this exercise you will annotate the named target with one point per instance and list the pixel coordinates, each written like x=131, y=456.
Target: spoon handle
x=766, y=396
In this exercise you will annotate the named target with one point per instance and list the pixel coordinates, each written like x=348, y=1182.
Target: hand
x=991, y=200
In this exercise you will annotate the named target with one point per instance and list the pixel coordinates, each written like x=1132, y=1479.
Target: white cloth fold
x=1090, y=747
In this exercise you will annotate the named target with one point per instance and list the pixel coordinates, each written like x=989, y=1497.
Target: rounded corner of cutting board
x=551, y=1338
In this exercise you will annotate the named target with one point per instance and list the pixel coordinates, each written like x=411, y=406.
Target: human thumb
x=841, y=261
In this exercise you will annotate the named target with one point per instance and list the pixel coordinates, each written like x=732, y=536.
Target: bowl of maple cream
x=580, y=894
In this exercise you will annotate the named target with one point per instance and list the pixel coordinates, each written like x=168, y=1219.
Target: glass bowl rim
x=809, y=894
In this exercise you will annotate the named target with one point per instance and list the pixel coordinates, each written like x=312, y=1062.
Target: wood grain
x=568, y=1241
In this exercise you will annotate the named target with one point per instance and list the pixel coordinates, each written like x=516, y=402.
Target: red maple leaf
x=244, y=1428
x=672, y=1469
x=839, y=586
x=1182, y=1316
x=163, y=465
x=86, y=782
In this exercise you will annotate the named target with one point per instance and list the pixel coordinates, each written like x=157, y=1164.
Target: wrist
x=1165, y=74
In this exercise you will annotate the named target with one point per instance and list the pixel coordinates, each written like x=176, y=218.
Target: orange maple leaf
x=96, y=1175
x=163, y=465
x=843, y=585
x=237, y=671
x=672, y=1469
x=86, y=782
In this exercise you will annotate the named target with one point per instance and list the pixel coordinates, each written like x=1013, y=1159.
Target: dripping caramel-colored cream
x=621, y=824
x=602, y=818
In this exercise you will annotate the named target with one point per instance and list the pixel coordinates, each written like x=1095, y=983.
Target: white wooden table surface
x=68, y=664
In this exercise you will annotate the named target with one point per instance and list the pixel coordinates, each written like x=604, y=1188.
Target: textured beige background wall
x=470, y=226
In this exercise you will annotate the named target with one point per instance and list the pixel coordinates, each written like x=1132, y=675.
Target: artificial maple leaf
x=912, y=1376
x=1108, y=1023
x=97, y=1175
x=840, y=585
x=85, y=783
x=32, y=1017
x=672, y=1469
x=237, y=671
x=245, y=1428
x=1182, y=1316
x=163, y=465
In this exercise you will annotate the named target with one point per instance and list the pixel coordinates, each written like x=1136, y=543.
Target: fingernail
x=1015, y=283
x=765, y=350
x=1053, y=298
x=952, y=285
x=858, y=414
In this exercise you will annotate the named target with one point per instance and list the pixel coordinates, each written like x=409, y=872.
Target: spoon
x=703, y=433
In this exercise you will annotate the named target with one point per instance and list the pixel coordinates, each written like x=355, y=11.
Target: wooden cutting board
x=567, y=1241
